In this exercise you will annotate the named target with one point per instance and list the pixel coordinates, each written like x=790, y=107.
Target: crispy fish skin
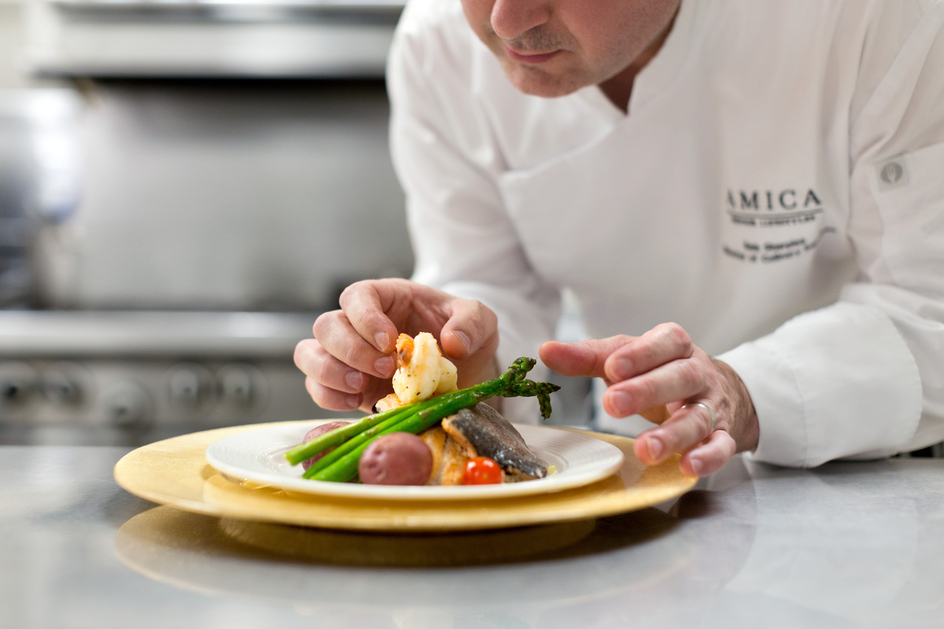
x=489, y=434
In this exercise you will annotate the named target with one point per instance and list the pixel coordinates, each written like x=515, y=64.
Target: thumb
x=583, y=358
x=472, y=329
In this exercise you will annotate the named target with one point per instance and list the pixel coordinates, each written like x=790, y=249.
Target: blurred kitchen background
x=184, y=186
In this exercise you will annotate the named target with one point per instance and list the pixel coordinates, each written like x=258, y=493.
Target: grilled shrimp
x=422, y=369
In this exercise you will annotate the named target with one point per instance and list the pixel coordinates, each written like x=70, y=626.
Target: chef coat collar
x=658, y=73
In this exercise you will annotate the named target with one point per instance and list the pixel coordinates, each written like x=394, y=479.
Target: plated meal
x=427, y=432
x=253, y=459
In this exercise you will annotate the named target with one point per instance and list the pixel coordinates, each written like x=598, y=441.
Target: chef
x=746, y=200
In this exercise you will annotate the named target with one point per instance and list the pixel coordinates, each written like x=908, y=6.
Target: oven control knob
x=236, y=385
x=18, y=383
x=127, y=405
x=61, y=385
x=189, y=385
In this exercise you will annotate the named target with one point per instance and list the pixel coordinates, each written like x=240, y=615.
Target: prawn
x=422, y=370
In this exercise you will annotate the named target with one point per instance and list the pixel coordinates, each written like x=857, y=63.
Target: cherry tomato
x=481, y=470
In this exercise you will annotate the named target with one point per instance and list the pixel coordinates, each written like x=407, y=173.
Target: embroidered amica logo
x=772, y=200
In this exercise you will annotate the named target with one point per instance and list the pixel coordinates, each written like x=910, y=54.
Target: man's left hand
x=664, y=367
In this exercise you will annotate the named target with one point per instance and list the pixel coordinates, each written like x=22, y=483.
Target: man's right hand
x=352, y=358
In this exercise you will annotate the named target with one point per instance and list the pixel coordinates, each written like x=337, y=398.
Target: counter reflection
x=537, y=576
x=846, y=545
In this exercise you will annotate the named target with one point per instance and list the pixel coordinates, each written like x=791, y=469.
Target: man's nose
x=511, y=18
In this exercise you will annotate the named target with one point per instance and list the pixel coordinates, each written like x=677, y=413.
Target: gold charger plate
x=175, y=472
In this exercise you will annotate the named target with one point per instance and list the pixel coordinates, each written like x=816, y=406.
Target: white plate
x=259, y=456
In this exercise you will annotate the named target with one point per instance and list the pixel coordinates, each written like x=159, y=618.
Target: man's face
x=555, y=47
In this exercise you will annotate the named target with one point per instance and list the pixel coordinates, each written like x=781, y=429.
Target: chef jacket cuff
x=832, y=383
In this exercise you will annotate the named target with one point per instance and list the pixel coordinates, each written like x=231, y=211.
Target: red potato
x=399, y=458
x=316, y=432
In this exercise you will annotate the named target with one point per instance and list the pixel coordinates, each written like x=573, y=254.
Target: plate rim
x=411, y=493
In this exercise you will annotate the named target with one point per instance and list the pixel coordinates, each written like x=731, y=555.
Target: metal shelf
x=187, y=38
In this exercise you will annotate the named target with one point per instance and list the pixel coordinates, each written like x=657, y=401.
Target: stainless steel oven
x=223, y=172
x=124, y=378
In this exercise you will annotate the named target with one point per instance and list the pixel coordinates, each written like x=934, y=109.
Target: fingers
x=470, y=338
x=584, y=358
x=677, y=380
x=687, y=431
x=348, y=363
x=686, y=427
x=663, y=370
x=316, y=363
x=619, y=357
x=379, y=310
x=660, y=367
x=470, y=328
x=658, y=346
x=340, y=340
x=365, y=304
x=331, y=398
x=710, y=457
x=331, y=383
x=352, y=352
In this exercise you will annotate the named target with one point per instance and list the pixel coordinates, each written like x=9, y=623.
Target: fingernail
x=622, y=369
x=384, y=365
x=655, y=448
x=697, y=466
x=381, y=339
x=355, y=380
x=620, y=401
x=464, y=339
x=353, y=401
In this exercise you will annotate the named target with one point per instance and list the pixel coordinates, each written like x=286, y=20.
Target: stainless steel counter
x=846, y=545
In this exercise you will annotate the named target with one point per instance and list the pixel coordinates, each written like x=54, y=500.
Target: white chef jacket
x=777, y=188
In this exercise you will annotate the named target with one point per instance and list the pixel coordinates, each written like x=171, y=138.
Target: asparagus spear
x=528, y=388
x=367, y=435
x=332, y=438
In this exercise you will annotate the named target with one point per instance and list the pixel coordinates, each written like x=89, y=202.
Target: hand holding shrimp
x=350, y=361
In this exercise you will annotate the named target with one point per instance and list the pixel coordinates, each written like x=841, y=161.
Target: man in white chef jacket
x=766, y=176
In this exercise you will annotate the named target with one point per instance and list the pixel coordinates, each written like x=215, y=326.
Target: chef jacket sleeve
x=463, y=241
x=864, y=377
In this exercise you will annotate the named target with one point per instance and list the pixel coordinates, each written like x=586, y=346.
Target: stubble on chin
x=536, y=81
